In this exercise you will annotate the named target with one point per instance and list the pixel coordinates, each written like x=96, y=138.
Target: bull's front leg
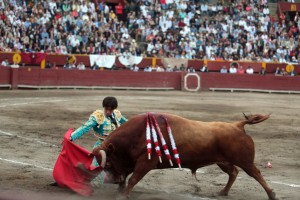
x=142, y=167
x=122, y=186
x=122, y=183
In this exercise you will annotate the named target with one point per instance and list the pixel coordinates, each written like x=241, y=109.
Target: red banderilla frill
x=175, y=152
x=155, y=140
x=162, y=139
x=152, y=128
x=148, y=138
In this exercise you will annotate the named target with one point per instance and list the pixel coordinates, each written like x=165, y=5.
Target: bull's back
x=210, y=142
x=198, y=143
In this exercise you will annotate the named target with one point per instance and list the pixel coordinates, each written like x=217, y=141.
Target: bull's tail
x=254, y=119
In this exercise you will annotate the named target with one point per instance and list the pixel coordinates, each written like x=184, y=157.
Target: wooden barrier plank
x=254, y=81
x=29, y=76
x=62, y=77
x=5, y=74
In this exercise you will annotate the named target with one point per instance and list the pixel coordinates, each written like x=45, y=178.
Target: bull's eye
x=108, y=165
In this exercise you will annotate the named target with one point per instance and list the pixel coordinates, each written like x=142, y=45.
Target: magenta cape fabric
x=67, y=174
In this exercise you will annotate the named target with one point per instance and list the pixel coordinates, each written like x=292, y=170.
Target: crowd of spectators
x=225, y=30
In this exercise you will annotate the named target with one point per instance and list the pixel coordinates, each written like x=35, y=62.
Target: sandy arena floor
x=33, y=124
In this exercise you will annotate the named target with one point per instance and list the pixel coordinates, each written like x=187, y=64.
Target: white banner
x=130, y=60
x=103, y=60
x=172, y=62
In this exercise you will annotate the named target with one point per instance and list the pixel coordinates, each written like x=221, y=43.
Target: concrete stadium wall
x=56, y=78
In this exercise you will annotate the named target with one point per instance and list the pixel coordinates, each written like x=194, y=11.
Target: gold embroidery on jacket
x=99, y=116
x=118, y=115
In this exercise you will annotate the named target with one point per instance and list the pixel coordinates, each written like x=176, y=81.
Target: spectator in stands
x=95, y=66
x=48, y=65
x=294, y=60
x=191, y=69
x=159, y=68
x=5, y=62
x=134, y=68
x=283, y=72
x=224, y=70
x=81, y=66
x=249, y=70
x=204, y=69
x=277, y=72
x=169, y=68
x=292, y=73
x=274, y=59
x=263, y=71
x=282, y=59
x=175, y=69
x=232, y=69
x=240, y=70
x=67, y=66
x=223, y=31
x=148, y=69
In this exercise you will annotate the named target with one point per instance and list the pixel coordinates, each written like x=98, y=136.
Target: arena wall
x=5, y=77
x=90, y=78
x=125, y=79
x=245, y=81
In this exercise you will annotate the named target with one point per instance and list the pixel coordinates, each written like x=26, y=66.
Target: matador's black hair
x=110, y=102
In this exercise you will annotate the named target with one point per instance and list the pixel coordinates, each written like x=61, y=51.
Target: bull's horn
x=103, y=158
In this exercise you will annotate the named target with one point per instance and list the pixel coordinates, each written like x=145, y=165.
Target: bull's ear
x=110, y=148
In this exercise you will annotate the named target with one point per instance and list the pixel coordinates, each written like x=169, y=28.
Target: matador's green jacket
x=101, y=124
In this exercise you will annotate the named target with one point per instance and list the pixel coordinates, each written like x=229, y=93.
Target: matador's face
x=108, y=111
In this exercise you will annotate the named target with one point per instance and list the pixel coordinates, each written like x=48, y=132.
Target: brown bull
x=199, y=144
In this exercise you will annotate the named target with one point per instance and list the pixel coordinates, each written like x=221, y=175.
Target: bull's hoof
x=272, y=196
x=197, y=188
x=223, y=193
x=122, y=197
x=121, y=189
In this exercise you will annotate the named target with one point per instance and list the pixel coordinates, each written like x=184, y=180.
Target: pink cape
x=66, y=172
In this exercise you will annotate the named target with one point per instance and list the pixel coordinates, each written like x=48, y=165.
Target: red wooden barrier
x=5, y=75
x=130, y=79
x=124, y=78
x=196, y=64
x=253, y=81
x=6, y=55
x=60, y=60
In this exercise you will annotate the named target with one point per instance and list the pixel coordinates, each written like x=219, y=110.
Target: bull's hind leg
x=252, y=171
x=142, y=167
x=232, y=172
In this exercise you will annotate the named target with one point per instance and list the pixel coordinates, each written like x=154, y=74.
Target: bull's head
x=105, y=157
x=100, y=156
